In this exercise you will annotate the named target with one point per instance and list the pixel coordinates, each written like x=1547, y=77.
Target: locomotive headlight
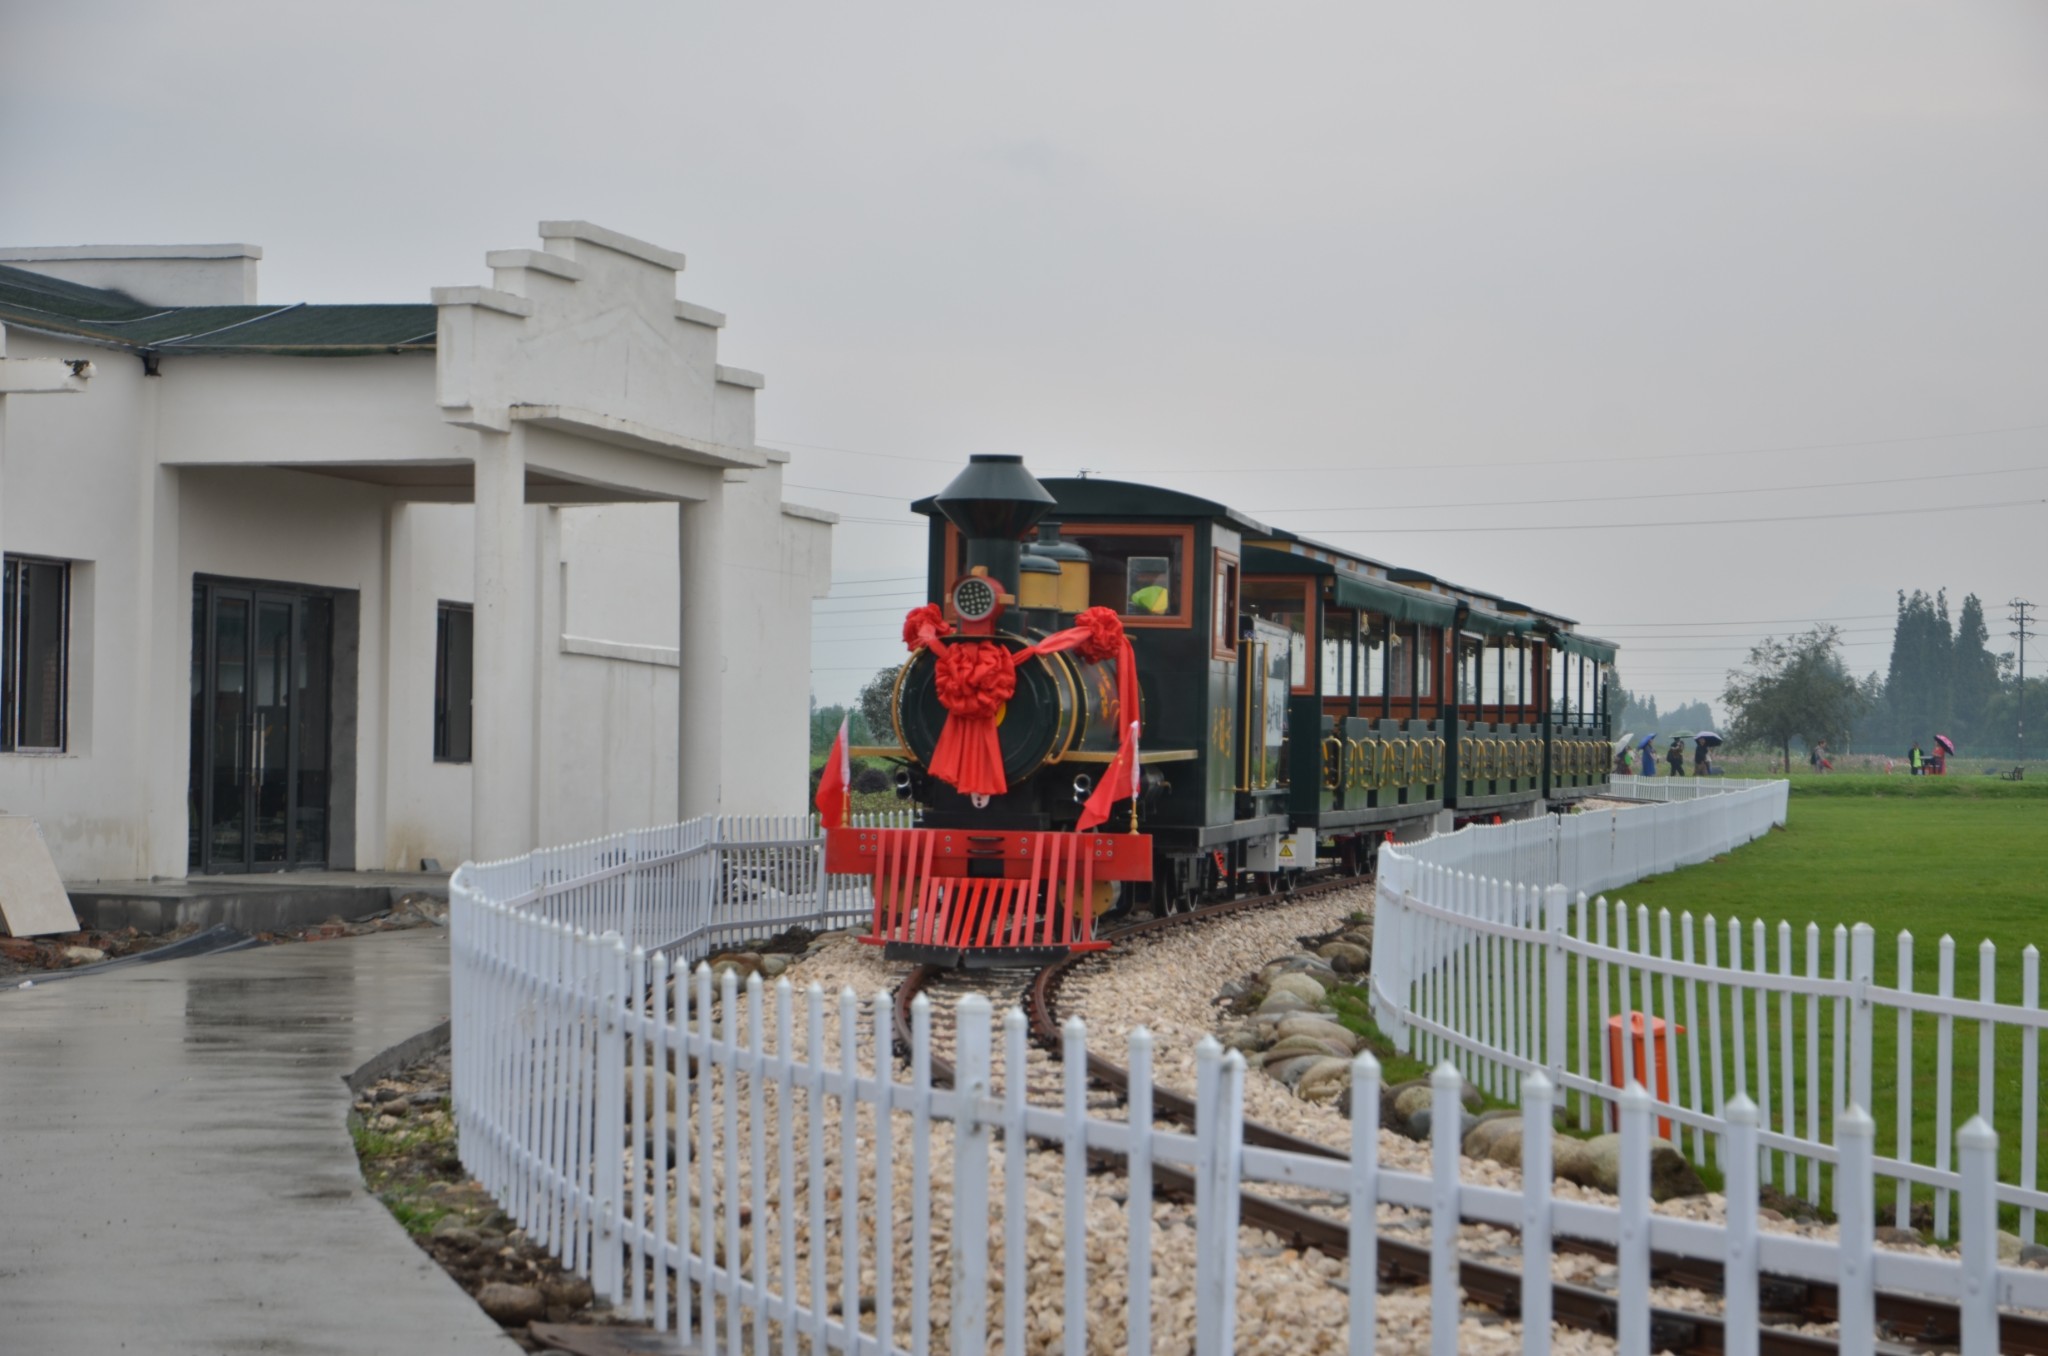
x=975, y=598
x=1083, y=784
x=903, y=786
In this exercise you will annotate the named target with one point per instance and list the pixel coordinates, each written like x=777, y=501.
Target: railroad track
x=1906, y=1321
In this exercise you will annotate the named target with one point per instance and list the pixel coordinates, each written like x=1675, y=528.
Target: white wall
x=72, y=488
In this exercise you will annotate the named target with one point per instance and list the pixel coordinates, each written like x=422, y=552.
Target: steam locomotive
x=1126, y=697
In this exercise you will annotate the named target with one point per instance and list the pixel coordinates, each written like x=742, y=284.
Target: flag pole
x=1136, y=763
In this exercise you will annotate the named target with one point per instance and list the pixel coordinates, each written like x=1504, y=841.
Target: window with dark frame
x=454, y=646
x=37, y=631
x=1224, y=643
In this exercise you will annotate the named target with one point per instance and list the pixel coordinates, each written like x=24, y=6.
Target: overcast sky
x=1444, y=269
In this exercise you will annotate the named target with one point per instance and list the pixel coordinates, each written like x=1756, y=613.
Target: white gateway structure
x=298, y=586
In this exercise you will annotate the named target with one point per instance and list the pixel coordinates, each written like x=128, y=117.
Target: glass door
x=261, y=678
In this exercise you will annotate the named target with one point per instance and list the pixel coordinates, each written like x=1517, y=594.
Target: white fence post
x=1856, y=1210
x=1977, y=1146
x=1138, y=1317
x=1739, y=1266
x=1536, y=1188
x=1862, y=974
x=1556, y=904
x=970, y=1178
x=1446, y=1298
x=1219, y=1130
x=1632, y=1247
x=1365, y=1184
x=610, y=1128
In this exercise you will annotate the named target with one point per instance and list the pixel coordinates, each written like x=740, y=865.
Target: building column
x=502, y=762
x=700, y=715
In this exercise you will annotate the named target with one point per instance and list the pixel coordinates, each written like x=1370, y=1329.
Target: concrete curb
x=408, y=1051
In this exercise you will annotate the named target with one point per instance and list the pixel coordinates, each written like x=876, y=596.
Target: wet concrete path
x=176, y=1174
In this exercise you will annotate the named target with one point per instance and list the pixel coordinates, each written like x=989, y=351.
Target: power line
x=1757, y=621
x=1702, y=635
x=1683, y=522
x=1674, y=494
x=1414, y=464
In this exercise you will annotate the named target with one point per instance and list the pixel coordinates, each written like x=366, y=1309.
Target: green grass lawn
x=1962, y=857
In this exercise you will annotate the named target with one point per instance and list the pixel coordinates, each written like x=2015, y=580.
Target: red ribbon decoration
x=975, y=679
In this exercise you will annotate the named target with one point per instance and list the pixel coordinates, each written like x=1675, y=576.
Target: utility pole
x=2021, y=632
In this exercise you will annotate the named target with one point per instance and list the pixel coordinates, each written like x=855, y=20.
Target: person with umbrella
x=1702, y=747
x=1674, y=757
x=1937, y=763
x=1648, y=754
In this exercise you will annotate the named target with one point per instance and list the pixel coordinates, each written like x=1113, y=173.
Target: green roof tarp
x=1391, y=600
x=1494, y=624
x=1591, y=647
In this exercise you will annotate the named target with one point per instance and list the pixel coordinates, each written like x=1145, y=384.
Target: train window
x=1223, y=643
x=1401, y=667
x=1339, y=663
x=1138, y=572
x=1489, y=657
x=1286, y=601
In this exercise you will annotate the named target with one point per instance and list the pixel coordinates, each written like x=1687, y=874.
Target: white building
x=258, y=557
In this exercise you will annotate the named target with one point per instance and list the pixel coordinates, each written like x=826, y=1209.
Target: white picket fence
x=1490, y=953
x=1682, y=788
x=751, y=1166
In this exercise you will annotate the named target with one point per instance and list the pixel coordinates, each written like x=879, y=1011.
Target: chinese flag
x=1119, y=780
x=834, y=783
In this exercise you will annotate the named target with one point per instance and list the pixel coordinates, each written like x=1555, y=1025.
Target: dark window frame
x=12, y=662
x=454, y=741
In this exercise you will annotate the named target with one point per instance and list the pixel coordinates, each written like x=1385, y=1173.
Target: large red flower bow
x=975, y=679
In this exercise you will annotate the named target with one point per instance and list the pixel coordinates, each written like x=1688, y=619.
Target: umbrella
x=1708, y=737
x=1681, y=736
x=1948, y=745
x=1625, y=742
x=1647, y=740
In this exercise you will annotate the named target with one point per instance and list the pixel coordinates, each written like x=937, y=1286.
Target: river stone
x=1300, y=986
x=1418, y=1092
x=566, y=1290
x=1303, y=1045
x=740, y=964
x=512, y=1305
x=1421, y=1123
x=2009, y=1246
x=1284, y=1004
x=457, y=1235
x=1322, y=1029
x=2032, y=1255
x=1244, y=1038
x=1597, y=1163
x=1323, y=1080
x=771, y=966
x=1498, y=1138
x=1893, y=1236
x=1290, y=1070
x=1346, y=958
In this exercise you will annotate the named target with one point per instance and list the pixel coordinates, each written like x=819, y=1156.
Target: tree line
x=1942, y=678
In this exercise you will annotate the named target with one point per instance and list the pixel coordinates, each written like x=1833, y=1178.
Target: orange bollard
x=1614, y=1070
